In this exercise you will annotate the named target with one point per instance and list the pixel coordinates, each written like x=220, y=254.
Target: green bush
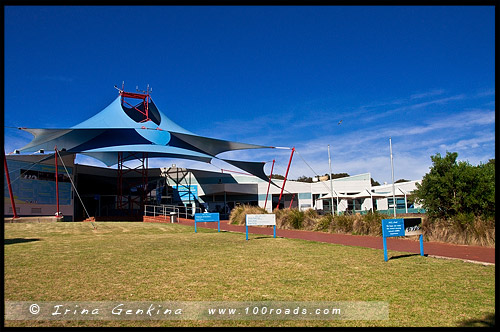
x=324, y=223
x=371, y=224
x=465, y=229
x=289, y=218
x=296, y=218
x=343, y=224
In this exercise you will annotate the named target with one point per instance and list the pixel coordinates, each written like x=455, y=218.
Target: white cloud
x=471, y=143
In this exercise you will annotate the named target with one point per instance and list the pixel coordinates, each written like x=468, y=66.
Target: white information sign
x=261, y=219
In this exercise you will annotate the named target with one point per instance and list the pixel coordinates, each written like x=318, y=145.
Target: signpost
x=260, y=220
x=207, y=217
x=402, y=227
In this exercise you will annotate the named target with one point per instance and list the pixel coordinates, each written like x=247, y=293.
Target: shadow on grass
x=487, y=321
x=263, y=237
x=18, y=240
x=407, y=255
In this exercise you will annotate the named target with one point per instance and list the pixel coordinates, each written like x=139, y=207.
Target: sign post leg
x=385, y=249
x=274, y=231
x=195, y=226
x=421, y=244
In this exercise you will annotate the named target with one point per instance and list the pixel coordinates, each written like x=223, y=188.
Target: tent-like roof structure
x=139, y=129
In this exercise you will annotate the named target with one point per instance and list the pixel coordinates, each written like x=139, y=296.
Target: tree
x=337, y=175
x=483, y=194
x=374, y=183
x=452, y=188
x=277, y=177
x=304, y=178
x=401, y=180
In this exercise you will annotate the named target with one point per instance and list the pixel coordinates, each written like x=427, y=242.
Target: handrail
x=165, y=209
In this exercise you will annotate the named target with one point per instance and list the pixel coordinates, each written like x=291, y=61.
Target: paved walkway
x=437, y=249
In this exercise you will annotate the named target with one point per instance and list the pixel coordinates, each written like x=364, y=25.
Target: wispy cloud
x=470, y=143
x=427, y=94
x=411, y=108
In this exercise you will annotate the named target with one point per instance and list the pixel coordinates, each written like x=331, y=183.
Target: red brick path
x=472, y=253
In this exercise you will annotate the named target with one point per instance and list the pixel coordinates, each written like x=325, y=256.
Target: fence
x=167, y=211
x=391, y=211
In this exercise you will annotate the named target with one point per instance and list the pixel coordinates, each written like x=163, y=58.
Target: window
x=400, y=203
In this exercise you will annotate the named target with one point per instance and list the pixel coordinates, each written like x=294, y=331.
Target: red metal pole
x=286, y=174
x=57, y=184
x=10, y=188
x=293, y=196
x=269, y=184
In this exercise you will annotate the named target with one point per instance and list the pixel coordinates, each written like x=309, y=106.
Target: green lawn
x=169, y=262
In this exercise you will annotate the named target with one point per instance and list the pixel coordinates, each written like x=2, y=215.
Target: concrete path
x=435, y=249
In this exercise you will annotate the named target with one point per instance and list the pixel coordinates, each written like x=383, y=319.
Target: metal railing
x=158, y=211
x=167, y=210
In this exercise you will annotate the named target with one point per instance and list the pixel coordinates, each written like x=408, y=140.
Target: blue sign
x=393, y=227
x=207, y=217
x=187, y=193
x=401, y=227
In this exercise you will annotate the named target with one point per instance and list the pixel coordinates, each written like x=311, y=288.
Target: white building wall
x=367, y=204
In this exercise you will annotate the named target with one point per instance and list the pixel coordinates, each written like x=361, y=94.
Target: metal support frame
x=142, y=183
x=142, y=169
x=181, y=179
x=146, y=99
x=286, y=174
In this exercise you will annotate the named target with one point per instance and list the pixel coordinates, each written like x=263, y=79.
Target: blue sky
x=271, y=75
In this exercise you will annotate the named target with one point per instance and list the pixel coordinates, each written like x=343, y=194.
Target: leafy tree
x=337, y=175
x=277, y=176
x=451, y=188
x=401, y=180
x=482, y=197
x=374, y=183
x=304, y=178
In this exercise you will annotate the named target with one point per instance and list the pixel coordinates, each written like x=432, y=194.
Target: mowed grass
x=127, y=261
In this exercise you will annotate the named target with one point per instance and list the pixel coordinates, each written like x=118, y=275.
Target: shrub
x=310, y=219
x=464, y=229
x=372, y=224
x=238, y=214
x=324, y=223
x=289, y=218
x=342, y=224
